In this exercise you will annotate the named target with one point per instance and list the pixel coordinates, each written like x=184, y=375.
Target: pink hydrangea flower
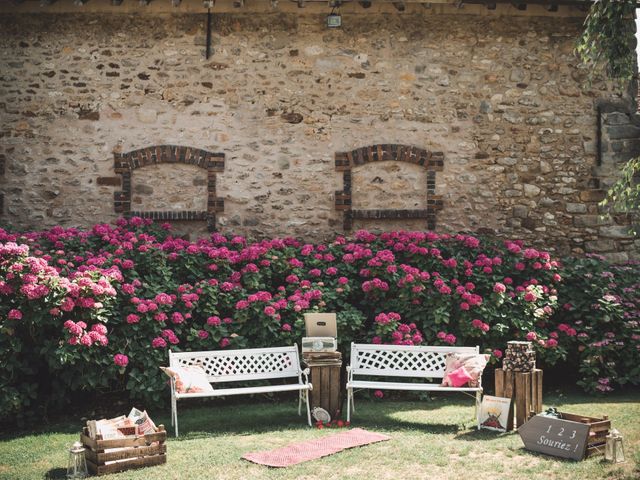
x=121, y=360
x=98, y=327
x=14, y=314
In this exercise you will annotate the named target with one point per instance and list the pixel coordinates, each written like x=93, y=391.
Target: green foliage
x=602, y=303
x=607, y=42
x=624, y=195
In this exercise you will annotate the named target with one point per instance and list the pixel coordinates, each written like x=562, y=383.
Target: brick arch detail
x=126, y=163
x=432, y=162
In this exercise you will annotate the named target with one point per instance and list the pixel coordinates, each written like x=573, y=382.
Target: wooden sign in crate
x=119, y=454
x=525, y=391
x=570, y=436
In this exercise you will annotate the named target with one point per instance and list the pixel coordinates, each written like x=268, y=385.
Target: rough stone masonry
x=525, y=145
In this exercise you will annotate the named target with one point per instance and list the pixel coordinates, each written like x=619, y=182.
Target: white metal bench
x=244, y=366
x=423, y=362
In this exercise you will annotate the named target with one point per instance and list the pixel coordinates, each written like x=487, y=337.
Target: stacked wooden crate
x=120, y=454
x=521, y=381
x=325, y=377
x=598, y=431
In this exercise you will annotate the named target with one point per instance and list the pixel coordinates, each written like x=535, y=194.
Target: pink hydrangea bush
x=134, y=291
x=51, y=323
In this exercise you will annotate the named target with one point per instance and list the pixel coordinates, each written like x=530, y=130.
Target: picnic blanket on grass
x=312, y=449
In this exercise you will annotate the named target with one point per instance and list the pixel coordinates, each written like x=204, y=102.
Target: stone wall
x=498, y=99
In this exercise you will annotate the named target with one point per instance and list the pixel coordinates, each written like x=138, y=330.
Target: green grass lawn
x=429, y=439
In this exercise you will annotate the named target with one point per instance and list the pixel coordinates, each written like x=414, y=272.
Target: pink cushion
x=458, y=377
x=473, y=363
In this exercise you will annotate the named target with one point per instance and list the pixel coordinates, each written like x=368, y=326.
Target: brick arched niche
x=213, y=163
x=432, y=162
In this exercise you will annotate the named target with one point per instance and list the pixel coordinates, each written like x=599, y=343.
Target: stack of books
x=322, y=358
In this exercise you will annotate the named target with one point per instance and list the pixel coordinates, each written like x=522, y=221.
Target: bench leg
x=300, y=394
x=174, y=414
x=478, y=403
x=349, y=403
x=306, y=397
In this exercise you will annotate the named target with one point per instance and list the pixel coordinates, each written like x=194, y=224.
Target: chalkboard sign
x=554, y=436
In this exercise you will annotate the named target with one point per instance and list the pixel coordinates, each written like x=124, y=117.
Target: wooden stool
x=525, y=390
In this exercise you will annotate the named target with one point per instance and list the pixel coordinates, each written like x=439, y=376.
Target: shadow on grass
x=484, y=435
x=55, y=474
x=558, y=398
x=524, y=451
x=250, y=419
x=69, y=425
x=263, y=415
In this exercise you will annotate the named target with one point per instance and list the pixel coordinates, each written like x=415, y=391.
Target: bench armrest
x=305, y=374
x=349, y=373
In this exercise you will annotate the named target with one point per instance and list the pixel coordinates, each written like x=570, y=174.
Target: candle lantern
x=77, y=467
x=614, y=450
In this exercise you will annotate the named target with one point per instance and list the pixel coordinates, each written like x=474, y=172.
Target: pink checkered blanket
x=312, y=449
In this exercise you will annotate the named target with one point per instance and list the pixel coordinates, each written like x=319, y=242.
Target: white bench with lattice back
x=247, y=365
x=423, y=362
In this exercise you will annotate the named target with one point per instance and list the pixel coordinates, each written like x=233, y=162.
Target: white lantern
x=614, y=450
x=77, y=467
x=334, y=20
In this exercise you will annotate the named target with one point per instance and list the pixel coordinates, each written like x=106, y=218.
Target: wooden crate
x=525, y=390
x=135, y=451
x=325, y=378
x=598, y=431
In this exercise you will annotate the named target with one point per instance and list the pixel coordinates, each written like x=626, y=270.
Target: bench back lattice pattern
x=402, y=360
x=242, y=365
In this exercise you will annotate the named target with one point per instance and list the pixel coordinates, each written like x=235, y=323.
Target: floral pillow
x=473, y=364
x=189, y=379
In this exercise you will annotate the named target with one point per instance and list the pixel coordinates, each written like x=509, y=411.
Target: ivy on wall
x=608, y=42
x=624, y=195
x=608, y=45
